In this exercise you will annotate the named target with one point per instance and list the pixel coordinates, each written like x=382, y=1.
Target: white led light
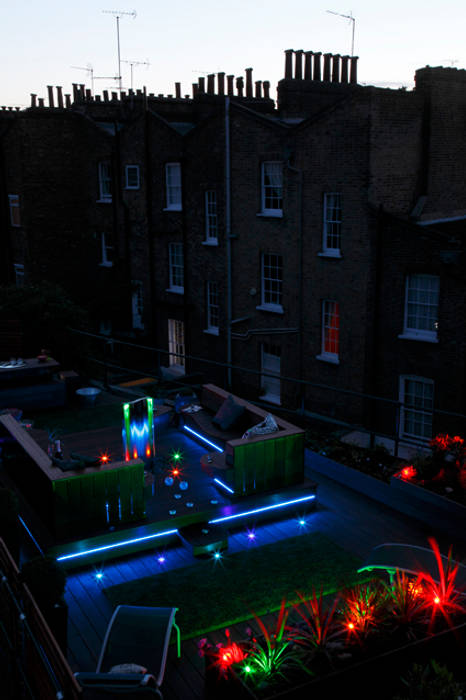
x=113, y=546
x=220, y=483
x=261, y=510
x=204, y=439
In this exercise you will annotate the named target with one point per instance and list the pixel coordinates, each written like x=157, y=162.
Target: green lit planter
x=376, y=677
x=438, y=512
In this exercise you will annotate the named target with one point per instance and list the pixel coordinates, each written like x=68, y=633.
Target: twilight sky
x=41, y=41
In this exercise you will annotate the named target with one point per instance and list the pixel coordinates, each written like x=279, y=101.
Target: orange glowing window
x=331, y=328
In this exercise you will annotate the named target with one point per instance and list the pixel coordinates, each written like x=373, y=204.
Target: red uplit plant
x=222, y=657
x=407, y=602
x=364, y=608
x=319, y=628
x=443, y=597
x=407, y=473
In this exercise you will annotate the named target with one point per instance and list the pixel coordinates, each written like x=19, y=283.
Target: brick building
x=320, y=238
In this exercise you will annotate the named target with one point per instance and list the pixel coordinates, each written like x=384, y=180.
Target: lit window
x=272, y=188
x=272, y=281
x=212, y=307
x=211, y=216
x=173, y=181
x=176, y=267
x=15, y=212
x=176, y=348
x=19, y=275
x=332, y=224
x=330, y=332
x=107, y=251
x=270, y=377
x=132, y=177
x=105, y=182
x=421, y=307
x=137, y=302
x=417, y=399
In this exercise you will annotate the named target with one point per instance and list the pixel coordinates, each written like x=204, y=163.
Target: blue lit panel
x=138, y=429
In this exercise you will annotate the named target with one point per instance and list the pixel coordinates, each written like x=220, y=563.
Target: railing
x=32, y=665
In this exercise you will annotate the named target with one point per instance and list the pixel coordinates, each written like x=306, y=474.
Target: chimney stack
x=230, y=83
x=240, y=86
x=59, y=96
x=289, y=64
x=248, y=82
x=211, y=84
x=327, y=59
x=308, y=65
x=298, y=68
x=316, y=75
x=336, y=68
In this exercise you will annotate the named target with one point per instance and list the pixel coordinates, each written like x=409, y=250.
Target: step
x=204, y=538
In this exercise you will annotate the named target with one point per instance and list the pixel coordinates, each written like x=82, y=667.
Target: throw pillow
x=228, y=414
x=268, y=425
x=128, y=668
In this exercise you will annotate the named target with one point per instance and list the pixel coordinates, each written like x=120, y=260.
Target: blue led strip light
x=224, y=486
x=261, y=510
x=117, y=544
x=204, y=439
x=30, y=534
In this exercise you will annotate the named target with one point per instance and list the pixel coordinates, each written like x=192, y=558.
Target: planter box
x=378, y=677
x=438, y=512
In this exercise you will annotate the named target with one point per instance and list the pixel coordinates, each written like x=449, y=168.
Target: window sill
x=328, y=254
x=418, y=337
x=106, y=264
x=271, y=213
x=332, y=359
x=175, y=290
x=211, y=331
x=212, y=242
x=271, y=398
x=132, y=188
x=271, y=308
x=176, y=207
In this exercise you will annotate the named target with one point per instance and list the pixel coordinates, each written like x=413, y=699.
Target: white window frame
x=135, y=170
x=270, y=169
x=106, y=255
x=176, y=345
x=105, y=181
x=425, y=416
x=332, y=219
x=271, y=364
x=271, y=286
x=173, y=186
x=137, y=304
x=175, y=268
x=211, y=218
x=411, y=332
x=212, y=308
x=19, y=274
x=15, y=211
x=330, y=312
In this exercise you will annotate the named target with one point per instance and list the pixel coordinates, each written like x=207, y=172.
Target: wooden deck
x=350, y=520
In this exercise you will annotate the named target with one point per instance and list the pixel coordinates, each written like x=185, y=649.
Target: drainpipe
x=228, y=233
x=299, y=173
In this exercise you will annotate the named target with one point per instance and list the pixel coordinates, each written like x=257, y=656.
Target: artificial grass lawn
x=75, y=419
x=216, y=593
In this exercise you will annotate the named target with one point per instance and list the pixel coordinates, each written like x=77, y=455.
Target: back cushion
x=228, y=414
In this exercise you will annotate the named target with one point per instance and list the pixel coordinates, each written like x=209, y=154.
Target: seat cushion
x=228, y=414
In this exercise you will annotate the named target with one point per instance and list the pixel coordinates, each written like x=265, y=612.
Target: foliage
x=45, y=579
x=407, y=602
x=364, y=608
x=430, y=682
x=319, y=629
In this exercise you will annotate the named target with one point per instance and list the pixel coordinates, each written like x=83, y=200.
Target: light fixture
x=201, y=437
x=283, y=504
x=224, y=486
x=106, y=547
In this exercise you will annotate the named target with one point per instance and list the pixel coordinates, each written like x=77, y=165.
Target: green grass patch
x=216, y=593
x=75, y=420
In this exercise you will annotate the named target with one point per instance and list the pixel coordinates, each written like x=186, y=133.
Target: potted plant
x=46, y=581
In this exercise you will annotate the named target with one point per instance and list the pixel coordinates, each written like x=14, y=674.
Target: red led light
x=148, y=452
x=104, y=459
x=135, y=454
x=175, y=472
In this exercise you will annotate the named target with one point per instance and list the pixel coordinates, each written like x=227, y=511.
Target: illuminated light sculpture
x=138, y=429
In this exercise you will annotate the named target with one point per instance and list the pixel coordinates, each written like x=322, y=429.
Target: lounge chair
x=133, y=655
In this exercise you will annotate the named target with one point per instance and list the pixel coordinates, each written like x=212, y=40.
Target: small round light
x=351, y=625
x=251, y=535
x=436, y=600
x=217, y=555
x=302, y=522
x=247, y=669
x=161, y=559
x=99, y=575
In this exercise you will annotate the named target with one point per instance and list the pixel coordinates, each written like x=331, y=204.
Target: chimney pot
x=114, y=96
x=248, y=82
x=139, y=92
x=258, y=89
x=211, y=84
x=50, y=91
x=33, y=99
x=41, y=101
x=327, y=59
x=336, y=68
x=308, y=65
x=354, y=69
x=201, y=85
x=67, y=100
x=298, y=67
x=75, y=92
x=89, y=95
x=105, y=93
x=230, y=82
x=240, y=86
x=221, y=83
x=195, y=89
x=344, y=69
x=266, y=85
x=289, y=64
x=97, y=98
x=59, y=96
x=316, y=74
x=178, y=90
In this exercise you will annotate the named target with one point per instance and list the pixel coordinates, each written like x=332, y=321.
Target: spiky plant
x=319, y=630
x=407, y=602
x=364, y=608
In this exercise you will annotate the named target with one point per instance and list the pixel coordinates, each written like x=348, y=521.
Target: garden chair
x=133, y=655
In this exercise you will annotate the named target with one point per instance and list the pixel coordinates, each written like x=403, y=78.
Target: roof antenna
x=352, y=19
x=117, y=14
